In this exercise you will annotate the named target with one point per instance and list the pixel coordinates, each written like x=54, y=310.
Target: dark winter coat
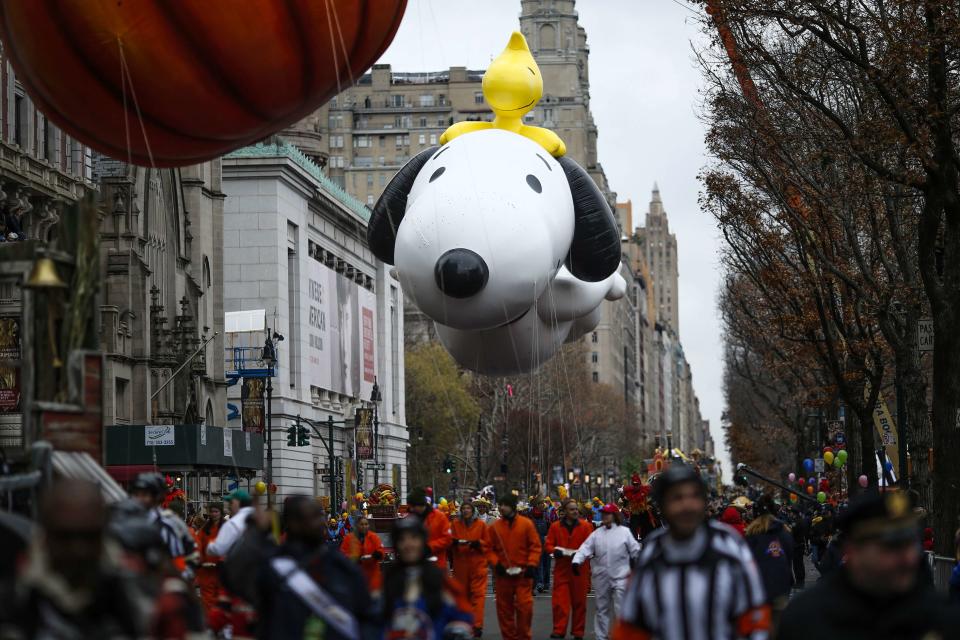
x=281, y=612
x=773, y=552
x=834, y=608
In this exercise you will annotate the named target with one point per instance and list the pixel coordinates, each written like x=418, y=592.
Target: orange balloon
x=190, y=80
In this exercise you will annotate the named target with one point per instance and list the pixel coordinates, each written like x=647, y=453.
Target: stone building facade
x=43, y=172
x=162, y=294
x=295, y=257
x=660, y=249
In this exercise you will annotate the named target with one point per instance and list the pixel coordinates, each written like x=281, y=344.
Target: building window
x=336, y=142
x=383, y=141
x=548, y=115
x=433, y=138
x=548, y=37
x=442, y=100
x=397, y=100
x=369, y=178
x=381, y=161
x=596, y=376
x=121, y=399
x=478, y=97
x=423, y=121
x=370, y=200
x=383, y=179
x=426, y=100
x=399, y=141
x=594, y=357
x=19, y=120
x=593, y=337
x=423, y=139
x=441, y=121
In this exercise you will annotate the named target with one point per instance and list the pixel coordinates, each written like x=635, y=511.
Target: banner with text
x=338, y=332
x=251, y=398
x=363, y=428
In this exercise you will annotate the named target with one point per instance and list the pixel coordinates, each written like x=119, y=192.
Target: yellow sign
x=886, y=429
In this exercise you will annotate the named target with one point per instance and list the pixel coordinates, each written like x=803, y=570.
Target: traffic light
x=291, y=436
x=448, y=465
x=303, y=438
x=741, y=479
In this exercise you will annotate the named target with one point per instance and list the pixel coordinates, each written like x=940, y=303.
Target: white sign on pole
x=228, y=442
x=158, y=435
x=925, y=334
x=203, y=435
x=818, y=465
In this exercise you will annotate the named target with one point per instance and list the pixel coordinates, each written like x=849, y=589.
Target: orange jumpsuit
x=208, y=577
x=353, y=548
x=439, y=538
x=514, y=543
x=470, y=564
x=568, y=589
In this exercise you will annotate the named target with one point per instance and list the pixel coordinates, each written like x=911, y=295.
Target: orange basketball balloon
x=186, y=81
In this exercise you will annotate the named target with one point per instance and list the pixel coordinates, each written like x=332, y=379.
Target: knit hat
x=508, y=499
x=417, y=497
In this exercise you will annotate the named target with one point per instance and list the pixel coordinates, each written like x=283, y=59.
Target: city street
x=542, y=617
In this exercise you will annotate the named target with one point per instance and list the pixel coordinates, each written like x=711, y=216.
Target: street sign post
x=925, y=334
x=379, y=466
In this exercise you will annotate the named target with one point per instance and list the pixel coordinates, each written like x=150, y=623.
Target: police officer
x=878, y=592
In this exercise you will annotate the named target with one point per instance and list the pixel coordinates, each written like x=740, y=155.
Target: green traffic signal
x=291, y=436
x=303, y=438
x=448, y=465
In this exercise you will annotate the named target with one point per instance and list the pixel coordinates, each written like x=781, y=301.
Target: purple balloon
x=792, y=477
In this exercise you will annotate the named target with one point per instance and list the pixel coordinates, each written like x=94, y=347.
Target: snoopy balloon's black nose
x=461, y=273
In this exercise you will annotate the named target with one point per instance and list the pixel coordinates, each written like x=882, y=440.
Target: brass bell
x=44, y=275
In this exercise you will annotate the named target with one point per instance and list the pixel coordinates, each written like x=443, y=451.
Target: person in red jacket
x=569, y=590
x=208, y=575
x=515, y=554
x=365, y=548
x=436, y=523
x=731, y=516
x=471, y=542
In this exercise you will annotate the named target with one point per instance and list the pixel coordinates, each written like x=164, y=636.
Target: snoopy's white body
x=501, y=196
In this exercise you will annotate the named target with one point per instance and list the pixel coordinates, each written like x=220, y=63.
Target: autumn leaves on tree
x=836, y=186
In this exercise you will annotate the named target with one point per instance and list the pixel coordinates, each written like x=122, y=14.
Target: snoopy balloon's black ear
x=390, y=208
x=595, y=250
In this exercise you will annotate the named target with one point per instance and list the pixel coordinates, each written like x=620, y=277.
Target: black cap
x=151, y=482
x=408, y=524
x=417, y=497
x=678, y=473
x=764, y=505
x=508, y=499
x=887, y=517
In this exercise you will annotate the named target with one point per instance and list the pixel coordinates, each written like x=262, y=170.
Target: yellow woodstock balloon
x=512, y=86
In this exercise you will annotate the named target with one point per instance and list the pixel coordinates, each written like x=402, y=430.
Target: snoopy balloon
x=507, y=248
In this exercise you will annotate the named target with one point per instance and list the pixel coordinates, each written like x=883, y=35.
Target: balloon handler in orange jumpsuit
x=515, y=554
x=365, y=548
x=569, y=590
x=471, y=543
x=435, y=522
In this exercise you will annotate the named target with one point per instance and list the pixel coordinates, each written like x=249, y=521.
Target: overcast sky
x=643, y=89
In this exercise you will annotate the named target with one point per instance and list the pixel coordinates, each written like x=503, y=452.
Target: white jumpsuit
x=609, y=551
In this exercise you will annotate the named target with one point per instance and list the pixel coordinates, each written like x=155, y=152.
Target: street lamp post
x=375, y=398
x=269, y=357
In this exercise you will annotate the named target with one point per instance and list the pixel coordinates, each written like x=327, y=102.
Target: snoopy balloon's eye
x=533, y=182
x=437, y=173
